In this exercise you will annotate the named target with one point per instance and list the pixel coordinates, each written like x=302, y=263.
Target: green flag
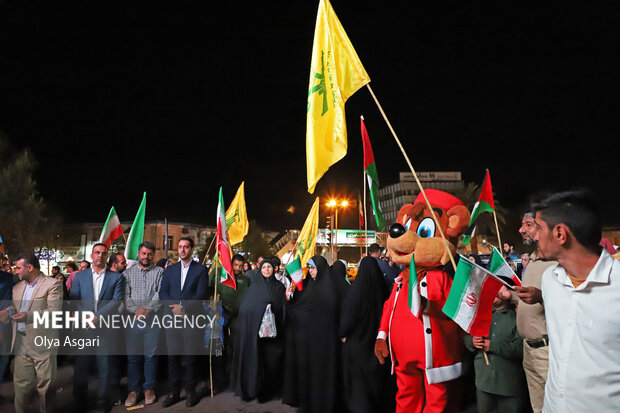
x=136, y=234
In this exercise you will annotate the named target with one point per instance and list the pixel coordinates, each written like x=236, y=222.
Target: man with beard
x=142, y=283
x=184, y=286
x=117, y=262
x=531, y=322
x=231, y=301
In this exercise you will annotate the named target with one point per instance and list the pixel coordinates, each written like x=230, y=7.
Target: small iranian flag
x=297, y=274
x=222, y=246
x=485, y=203
x=370, y=169
x=111, y=229
x=500, y=268
x=470, y=303
x=414, y=301
x=136, y=234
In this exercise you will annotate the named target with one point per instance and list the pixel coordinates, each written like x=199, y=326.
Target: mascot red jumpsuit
x=426, y=351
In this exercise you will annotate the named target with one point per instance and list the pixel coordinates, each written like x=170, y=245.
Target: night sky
x=178, y=98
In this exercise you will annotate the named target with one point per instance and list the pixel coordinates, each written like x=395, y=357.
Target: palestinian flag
x=111, y=229
x=296, y=272
x=370, y=169
x=485, y=203
x=470, y=303
x=414, y=301
x=222, y=246
x=136, y=234
x=500, y=268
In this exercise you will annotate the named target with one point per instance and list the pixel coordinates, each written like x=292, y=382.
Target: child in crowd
x=500, y=383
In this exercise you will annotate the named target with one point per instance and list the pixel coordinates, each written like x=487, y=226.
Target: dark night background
x=178, y=98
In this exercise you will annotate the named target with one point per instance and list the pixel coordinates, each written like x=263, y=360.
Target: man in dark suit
x=99, y=291
x=184, y=286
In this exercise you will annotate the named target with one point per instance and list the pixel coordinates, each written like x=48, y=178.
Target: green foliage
x=22, y=222
x=255, y=243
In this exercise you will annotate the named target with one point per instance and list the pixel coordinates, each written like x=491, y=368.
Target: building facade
x=393, y=197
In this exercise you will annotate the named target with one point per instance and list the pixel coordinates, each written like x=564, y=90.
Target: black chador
x=257, y=362
x=368, y=387
x=312, y=360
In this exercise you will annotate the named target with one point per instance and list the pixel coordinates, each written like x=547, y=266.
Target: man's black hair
x=237, y=257
x=188, y=239
x=148, y=245
x=579, y=210
x=101, y=244
x=113, y=260
x=374, y=248
x=29, y=259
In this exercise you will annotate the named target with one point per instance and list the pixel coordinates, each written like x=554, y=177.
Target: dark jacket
x=504, y=375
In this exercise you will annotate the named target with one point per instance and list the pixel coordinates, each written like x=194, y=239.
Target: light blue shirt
x=26, y=302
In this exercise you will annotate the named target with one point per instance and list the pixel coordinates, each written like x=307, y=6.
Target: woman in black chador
x=312, y=361
x=257, y=362
x=368, y=387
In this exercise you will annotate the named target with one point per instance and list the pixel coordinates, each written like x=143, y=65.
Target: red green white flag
x=370, y=169
x=222, y=244
x=296, y=272
x=500, y=268
x=485, y=203
x=470, y=302
x=413, y=295
x=111, y=229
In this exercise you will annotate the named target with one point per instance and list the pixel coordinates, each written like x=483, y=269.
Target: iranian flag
x=485, y=203
x=296, y=272
x=370, y=169
x=222, y=245
x=136, y=234
x=500, y=268
x=413, y=295
x=470, y=303
x=111, y=229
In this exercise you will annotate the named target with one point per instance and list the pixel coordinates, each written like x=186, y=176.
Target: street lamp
x=334, y=204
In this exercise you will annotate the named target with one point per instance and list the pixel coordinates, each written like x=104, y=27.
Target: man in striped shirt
x=142, y=300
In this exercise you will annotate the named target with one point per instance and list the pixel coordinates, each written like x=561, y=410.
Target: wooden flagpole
x=204, y=260
x=215, y=282
x=499, y=239
x=365, y=215
x=415, y=175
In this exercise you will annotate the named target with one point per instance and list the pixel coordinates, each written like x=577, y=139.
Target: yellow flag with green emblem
x=237, y=217
x=335, y=74
x=306, y=243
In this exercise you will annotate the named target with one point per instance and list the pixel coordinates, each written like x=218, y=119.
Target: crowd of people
x=552, y=346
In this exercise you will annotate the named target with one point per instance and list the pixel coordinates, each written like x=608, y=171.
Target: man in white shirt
x=101, y=292
x=581, y=295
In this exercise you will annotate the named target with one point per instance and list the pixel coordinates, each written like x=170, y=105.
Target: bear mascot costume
x=426, y=351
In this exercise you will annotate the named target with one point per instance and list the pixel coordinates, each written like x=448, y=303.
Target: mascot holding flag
x=424, y=344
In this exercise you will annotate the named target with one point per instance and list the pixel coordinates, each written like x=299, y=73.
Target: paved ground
x=225, y=402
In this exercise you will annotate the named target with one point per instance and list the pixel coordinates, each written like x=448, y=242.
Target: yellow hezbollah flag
x=306, y=242
x=335, y=74
x=237, y=217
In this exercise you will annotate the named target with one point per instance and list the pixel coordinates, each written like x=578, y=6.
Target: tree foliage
x=22, y=222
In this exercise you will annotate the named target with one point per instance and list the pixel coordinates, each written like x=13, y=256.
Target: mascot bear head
x=415, y=231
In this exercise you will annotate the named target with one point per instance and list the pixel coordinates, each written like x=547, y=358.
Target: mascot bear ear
x=458, y=221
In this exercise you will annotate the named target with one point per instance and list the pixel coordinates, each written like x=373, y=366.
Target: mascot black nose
x=397, y=230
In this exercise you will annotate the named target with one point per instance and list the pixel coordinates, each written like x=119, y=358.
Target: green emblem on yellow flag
x=335, y=74
x=237, y=217
x=306, y=242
